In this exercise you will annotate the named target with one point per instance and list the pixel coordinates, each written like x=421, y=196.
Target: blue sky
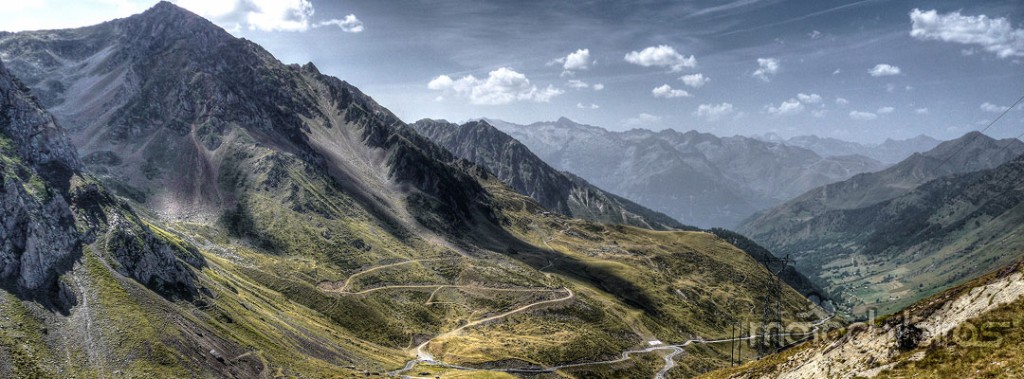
x=856, y=70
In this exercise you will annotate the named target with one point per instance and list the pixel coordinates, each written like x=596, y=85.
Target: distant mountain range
x=886, y=239
x=514, y=164
x=889, y=152
x=697, y=178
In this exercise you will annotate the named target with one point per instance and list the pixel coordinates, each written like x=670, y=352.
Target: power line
x=1010, y=142
x=771, y=315
x=964, y=145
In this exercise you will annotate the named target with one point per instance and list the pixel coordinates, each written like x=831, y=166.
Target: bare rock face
x=37, y=229
x=48, y=210
x=36, y=236
x=32, y=133
x=150, y=260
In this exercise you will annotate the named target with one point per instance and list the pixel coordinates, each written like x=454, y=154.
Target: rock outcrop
x=50, y=211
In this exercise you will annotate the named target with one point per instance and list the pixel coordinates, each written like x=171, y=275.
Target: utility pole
x=771, y=315
x=739, y=349
x=732, y=346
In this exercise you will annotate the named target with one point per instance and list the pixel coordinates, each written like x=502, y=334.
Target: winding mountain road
x=675, y=350
x=422, y=355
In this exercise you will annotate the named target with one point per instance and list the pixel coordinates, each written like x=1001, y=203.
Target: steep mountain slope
x=86, y=282
x=328, y=238
x=694, y=177
x=169, y=104
x=518, y=167
x=890, y=151
x=974, y=151
x=514, y=164
x=971, y=331
x=788, y=273
x=51, y=211
x=888, y=254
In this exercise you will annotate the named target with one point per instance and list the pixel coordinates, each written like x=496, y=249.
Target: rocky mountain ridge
x=558, y=191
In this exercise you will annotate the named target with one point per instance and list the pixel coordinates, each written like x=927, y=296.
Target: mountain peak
x=166, y=18
x=973, y=138
x=311, y=68
x=166, y=8
x=975, y=150
x=974, y=134
x=480, y=123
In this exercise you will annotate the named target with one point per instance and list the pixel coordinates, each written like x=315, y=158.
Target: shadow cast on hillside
x=492, y=237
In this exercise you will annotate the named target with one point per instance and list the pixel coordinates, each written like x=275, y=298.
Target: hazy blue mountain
x=889, y=152
x=697, y=178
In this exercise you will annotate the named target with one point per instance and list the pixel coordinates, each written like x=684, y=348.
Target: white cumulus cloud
x=714, y=112
x=695, y=80
x=441, y=82
x=598, y=86
x=883, y=69
x=578, y=60
x=661, y=56
x=885, y=110
x=666, y=91
x=921, y=111
x=787, y=108
x=586, y=106
x=863, y=116
x=766, y=68
x=842, y=101
x=502, y=86
x=995, y=35
x=809, y=99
